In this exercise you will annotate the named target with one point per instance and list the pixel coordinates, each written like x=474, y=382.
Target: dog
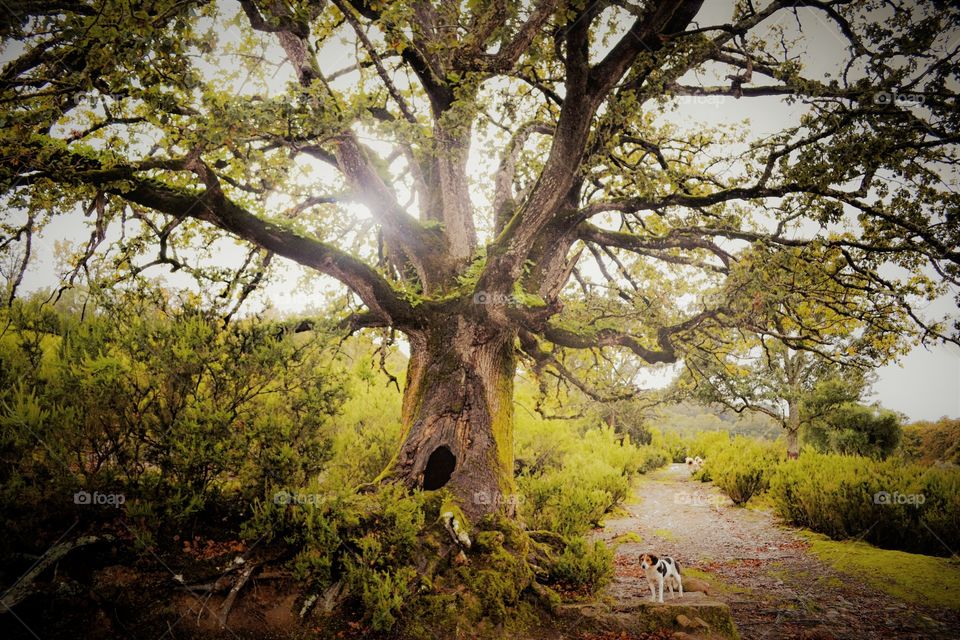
x=660, y=570
x=695, y=464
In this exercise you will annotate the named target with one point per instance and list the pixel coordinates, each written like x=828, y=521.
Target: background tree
x=855, y=429
x=930, y=442
x=585, y=233
x=802, y=344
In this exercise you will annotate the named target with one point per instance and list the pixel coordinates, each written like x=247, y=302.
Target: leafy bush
x=391, y=553
x=576, y=476
x=672, y=444
x=931, y=442
x=367, y=541
x=652, y=458
x=707, y=443
x=742, y=469
x=888, y=503
x=586, y=478
x=161, y=402
x=855, y=429
x=582, y=565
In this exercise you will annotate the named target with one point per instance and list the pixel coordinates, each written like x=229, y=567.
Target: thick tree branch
x=631, y=242
x=424, y=249
x=471, y=57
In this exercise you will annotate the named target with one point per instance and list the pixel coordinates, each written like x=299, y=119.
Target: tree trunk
x=458, y=415
x=793, y=429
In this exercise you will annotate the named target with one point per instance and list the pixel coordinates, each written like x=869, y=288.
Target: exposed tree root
x=22, y=588
x=234, y=591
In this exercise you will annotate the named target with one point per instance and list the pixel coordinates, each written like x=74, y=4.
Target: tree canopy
x=510, y=166
x=129, y=113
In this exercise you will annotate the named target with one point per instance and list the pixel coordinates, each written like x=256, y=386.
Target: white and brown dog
x=660, y=570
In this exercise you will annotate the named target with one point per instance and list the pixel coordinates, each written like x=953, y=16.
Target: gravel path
x=777, y=588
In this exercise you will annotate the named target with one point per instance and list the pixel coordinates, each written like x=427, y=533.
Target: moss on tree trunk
x=458, y=416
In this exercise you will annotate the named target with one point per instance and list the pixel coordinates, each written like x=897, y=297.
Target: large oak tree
x=596, y=228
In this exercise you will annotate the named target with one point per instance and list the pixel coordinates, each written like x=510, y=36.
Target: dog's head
x=647, y=561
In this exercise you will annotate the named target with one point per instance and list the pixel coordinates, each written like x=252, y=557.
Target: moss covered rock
x=688, y=615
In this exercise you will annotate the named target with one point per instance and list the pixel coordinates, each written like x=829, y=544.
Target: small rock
x=701, y=622
x=685, y=622
x=695, y=584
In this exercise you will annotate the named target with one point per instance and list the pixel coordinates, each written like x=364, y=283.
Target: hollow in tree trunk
x=458, y=415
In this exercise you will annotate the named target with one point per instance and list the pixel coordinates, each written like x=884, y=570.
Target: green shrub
x=569, y=502
x=382, y=592
x=930, y=442
x=707, y=443
x=162, y=403
x=878, y=501
x=368, y=541
x=584, y=566
x=652, y=458
x=672, y=444
x=573, y=480
x=855, y=429
x=593, y=477
x=742, y=470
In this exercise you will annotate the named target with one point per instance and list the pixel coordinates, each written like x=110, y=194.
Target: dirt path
x=775, y=587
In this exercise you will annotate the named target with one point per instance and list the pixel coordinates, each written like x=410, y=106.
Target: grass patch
x=629, y=536
x=908, y=576
x=763, y=503
x=776, y=570
x=665, y=534
x=717, y=585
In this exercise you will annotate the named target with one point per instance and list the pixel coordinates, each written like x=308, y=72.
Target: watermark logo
x=284, y=498
x=895, y=98
x=885, y=497
x=92, y=100
x=709, y=100
x=99, y=499
x=498, y=499
x=498, y=299
x=698, y=499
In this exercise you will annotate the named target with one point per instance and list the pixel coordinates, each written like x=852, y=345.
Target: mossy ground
x=909, y=576
x=665, y=534
x=717, y=585
x=628, y=537
x=779, y=571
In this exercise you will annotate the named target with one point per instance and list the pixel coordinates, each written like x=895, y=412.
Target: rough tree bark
x=793, y=430
x=794, y=370
x=458, y=414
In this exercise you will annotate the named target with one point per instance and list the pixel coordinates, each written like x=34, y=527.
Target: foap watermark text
x=99, y=499
x=286, y=497
x=885, y=497
x=699, y=499
x=497, y=299
x=486, y=498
